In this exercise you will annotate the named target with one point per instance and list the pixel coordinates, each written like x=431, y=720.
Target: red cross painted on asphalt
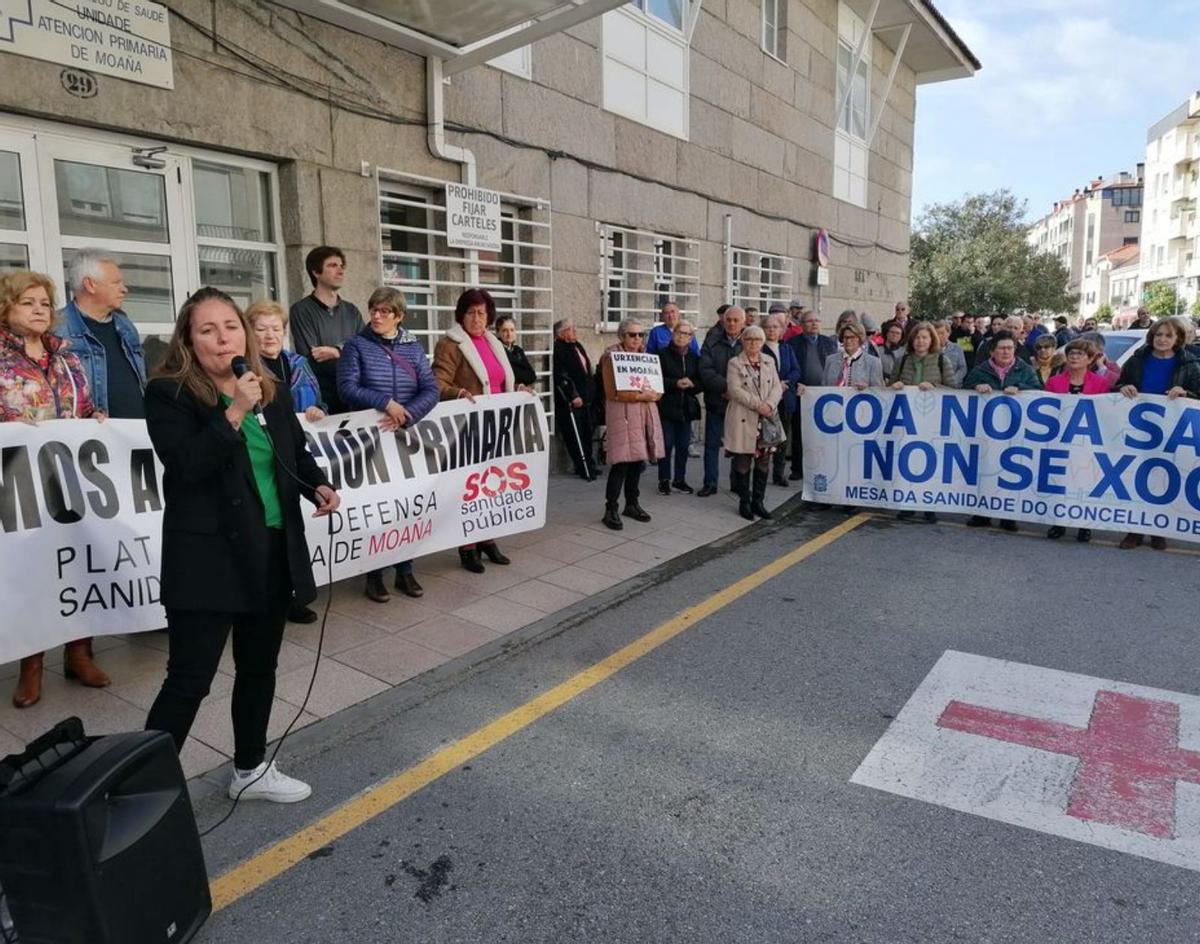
x=1129, y=756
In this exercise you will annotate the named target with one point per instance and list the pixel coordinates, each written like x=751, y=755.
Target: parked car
x=1119, y=346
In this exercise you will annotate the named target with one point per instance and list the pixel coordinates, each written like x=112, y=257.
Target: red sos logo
x=494, y=480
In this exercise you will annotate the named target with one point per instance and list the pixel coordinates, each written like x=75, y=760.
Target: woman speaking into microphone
x=234, y=555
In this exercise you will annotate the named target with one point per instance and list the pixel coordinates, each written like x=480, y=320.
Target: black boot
x=760, y=492
x=632, y=492
x=491, y=551
x=612, y=518
x=375, y=589
x=469, y=558
x=407, y=584
x=635, y=511
x=741, y=488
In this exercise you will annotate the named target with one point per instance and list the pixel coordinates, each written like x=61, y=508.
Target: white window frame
x=774, y=29
x=640, y=270
x=621, y=54
x=643, y=7
x=756, y=279
x=449, y=271
x=40, y=143
x=851, y=172
x=31, y=237
x=518, y=62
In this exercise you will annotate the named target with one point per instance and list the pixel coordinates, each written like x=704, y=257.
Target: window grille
x=416, y=259
x=643, y=270
x=756, y=279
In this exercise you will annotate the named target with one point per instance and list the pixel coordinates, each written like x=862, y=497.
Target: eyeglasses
x=635, y=334
x=685, y=334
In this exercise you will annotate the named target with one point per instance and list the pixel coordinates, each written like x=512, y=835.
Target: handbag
x=770, y=431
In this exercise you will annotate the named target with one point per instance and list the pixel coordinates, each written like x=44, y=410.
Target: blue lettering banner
x=1103, y=462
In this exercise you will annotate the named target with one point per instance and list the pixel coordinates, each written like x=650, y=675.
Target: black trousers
x=624, y=476
x=579, y=449
x=797, y=443
x=197, y=640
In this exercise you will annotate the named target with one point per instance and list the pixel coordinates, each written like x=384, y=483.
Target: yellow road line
x=277, y=859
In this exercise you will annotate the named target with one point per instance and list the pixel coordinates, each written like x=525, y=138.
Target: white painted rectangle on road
x=1099, y=761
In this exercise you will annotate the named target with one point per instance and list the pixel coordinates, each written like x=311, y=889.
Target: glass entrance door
x=95, y=195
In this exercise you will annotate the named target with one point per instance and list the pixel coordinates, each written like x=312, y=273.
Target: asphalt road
x=702, y=794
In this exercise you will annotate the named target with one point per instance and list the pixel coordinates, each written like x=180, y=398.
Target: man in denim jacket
x=101, y=335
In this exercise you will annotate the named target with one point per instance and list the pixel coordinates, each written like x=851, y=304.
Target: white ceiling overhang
x=462, y=33
x=932, y=50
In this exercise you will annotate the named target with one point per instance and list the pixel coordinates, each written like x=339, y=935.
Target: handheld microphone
x=240, y=367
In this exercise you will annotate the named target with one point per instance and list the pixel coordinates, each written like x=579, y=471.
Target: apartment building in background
x=640, y=151
x=1116, y=280
x=1170, y=228
x=1080, y=230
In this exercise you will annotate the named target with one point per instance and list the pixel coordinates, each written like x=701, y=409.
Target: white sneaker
x=267, y=783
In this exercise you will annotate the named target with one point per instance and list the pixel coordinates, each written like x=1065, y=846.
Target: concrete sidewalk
x=370, y=647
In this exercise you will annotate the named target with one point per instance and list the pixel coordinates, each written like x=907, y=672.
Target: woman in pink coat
x=634, y=433
x=1077, y=377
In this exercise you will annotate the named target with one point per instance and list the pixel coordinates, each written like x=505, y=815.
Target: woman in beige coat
x=754, y=391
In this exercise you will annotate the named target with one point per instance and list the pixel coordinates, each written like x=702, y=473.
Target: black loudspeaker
x=98, y=843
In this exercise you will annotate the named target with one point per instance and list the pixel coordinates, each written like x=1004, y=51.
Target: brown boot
x=29, y=685
x=78, y=664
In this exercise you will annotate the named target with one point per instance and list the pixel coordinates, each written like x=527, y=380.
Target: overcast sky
x=1067, y=92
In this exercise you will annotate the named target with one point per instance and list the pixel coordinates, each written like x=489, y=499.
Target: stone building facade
x=698, y=166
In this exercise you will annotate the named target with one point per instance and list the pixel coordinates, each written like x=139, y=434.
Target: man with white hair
x=101, y=335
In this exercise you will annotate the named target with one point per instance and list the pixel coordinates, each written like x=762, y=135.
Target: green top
x=262, y=461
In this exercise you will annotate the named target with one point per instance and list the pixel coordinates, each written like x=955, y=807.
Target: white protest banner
x=636, y=372
x=81, y=508
x=472, y=218
x=128, y=39
x=1080, y=461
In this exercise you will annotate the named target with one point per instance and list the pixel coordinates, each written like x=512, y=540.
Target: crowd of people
x=222, y=415
x=743, y=382
x=221, y=412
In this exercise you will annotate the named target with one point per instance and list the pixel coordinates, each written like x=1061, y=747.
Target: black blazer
x=523, y=372
x=215, y=540
x=679, y=405
x=572, y=374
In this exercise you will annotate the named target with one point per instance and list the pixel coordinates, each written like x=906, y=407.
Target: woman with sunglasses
x=634, y=431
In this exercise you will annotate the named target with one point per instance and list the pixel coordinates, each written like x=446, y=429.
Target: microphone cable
x=320, y=646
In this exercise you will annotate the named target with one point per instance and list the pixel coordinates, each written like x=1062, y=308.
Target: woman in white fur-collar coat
x=471, y=362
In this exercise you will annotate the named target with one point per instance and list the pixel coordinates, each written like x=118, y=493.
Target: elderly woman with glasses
x=1077, y=378
x=852, y=366
x=634, y=432
x=1000, y=371
x=679, y=406
x=384, y=368
x=754, y=391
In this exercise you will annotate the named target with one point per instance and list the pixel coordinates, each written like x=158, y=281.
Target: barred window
x=644, y=270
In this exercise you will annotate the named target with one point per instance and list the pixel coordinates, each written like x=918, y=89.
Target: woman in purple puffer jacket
x=384, y=368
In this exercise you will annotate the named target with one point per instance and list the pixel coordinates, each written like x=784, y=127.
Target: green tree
x=1196, y=307
x=972, y=255
x=1104, y=312
x=1161, y=299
